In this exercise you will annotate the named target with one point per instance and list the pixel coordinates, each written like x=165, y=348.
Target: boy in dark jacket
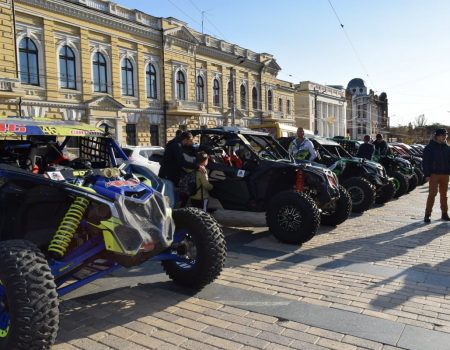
x=366, y=149
x=436, y=168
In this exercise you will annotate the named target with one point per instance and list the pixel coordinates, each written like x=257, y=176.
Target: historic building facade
x=367, y=113
x=321, y=108
x=140, y=76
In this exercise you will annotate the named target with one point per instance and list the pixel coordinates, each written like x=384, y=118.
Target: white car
x=147, y=156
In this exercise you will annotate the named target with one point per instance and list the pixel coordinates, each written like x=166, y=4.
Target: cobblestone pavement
x=378, y=281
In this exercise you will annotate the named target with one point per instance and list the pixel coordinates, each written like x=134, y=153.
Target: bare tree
x=420, y=121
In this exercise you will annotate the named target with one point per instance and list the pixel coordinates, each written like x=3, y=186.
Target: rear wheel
x=200, y=249
x=386, y=193
x=400, y=183
x=412, y=182
x=362, y=193
x=292, y=217
x=29, y=313
x=340, y=211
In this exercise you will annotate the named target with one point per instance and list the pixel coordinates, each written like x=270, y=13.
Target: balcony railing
x=185, y=106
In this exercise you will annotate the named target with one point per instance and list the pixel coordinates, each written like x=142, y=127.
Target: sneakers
x=426, y=219
x=445, y=217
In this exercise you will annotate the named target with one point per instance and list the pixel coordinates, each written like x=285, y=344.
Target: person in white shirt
x=302, y=148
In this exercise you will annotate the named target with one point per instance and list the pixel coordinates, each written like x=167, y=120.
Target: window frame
x=27, y=51
x=269, y=100
x=96, y=68
x=131, y=134
x=243, y=96
x=254, y=98
x=150, y=72
x=200, y=89
x=64, y=83
x=181, y=85
x=127, y=69
x=216, y=92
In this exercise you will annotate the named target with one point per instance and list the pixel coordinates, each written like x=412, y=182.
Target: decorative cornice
x=95, y=16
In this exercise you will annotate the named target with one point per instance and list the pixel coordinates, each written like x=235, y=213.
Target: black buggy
x=295, y=197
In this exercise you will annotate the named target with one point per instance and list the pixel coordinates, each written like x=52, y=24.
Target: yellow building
x=140, y=76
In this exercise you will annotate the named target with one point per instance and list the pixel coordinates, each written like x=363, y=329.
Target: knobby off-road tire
x=203, y=244
x=342, y=209
x=30, y=297
x=292, y=217
x=386, y=193
x=362, y=193
x=420, y=176
x=412, y=182
x=401, y=184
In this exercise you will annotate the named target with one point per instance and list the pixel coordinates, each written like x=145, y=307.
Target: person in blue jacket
x=436, y=168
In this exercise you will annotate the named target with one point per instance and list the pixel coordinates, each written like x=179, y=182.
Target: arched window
x=67, y=75
x=150, y=78
x=200, y=89
x=216, y=93
x=100, y=73
x=230, y=93
x=181, y=86
x=29, y=64
x=243, y=94
x=127, y=78
x=288, y=106
x=255, y=98
x=280, y=105
x=269, y=100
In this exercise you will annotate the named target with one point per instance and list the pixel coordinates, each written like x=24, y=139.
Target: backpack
x=188, y=184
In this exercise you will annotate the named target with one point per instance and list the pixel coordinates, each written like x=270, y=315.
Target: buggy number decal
x=241, y=173
x=4, y=127
x=123, y=183
x=49, y=130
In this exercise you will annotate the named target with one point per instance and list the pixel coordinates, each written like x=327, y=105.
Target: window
x=127, y=78
x=280, y=105
x=67, y=74
x=154, y=135
x=288, y=106
x=131, y=134
x=255, y=98
x=243, y=97
x=181, y=86
x=200, y=89
x=100, y=76
x=269, y=100
x=150, y=78
x=230, y=93
x=216, y=93
x=29, y=64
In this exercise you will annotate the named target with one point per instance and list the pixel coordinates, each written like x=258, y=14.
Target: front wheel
x=386, y=193
x=401, y=184
x=199, y=249
x=412, y=182
x=362, y=193
x=420, y=176
x=340, y=211
x=292, y=217
x=29, y=314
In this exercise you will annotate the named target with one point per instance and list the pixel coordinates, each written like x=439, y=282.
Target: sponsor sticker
x=122, y=183
x=241, y=173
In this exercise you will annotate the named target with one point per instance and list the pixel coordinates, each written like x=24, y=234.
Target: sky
x=401, y=47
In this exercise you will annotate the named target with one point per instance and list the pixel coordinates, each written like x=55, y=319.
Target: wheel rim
x=357, y=194
x=4, y=313
x=396, y=185
x=289, y=218
x=186, y=251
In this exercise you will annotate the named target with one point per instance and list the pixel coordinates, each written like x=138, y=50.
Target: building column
x=50, y=62
x=86, y=65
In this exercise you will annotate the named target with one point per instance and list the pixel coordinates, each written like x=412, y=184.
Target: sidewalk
x=378, y=281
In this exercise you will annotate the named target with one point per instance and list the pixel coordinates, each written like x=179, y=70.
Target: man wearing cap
x=436, y=168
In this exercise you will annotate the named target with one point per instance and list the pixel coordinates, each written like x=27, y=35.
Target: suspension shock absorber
x=67, y=227
x=300, y=181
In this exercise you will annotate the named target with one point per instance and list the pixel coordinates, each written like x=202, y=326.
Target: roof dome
x=383, y=96
x=356, y=82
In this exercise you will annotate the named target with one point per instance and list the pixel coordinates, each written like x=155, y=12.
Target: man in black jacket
x=381, y=147
x=366, y=149
x=436, y=168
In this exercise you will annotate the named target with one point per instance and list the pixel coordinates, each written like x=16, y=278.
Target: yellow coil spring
x=68, y=226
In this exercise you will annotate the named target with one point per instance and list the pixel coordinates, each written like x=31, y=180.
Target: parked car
x=149, y=156
x=269, y=181
x=65, y=222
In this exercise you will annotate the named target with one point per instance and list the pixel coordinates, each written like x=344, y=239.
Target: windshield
x=266, y=147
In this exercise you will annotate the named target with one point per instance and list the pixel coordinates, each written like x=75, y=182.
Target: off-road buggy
x=294, y=197
x=366, y=181
x=65, y=222
x=410, y=154
x=399, y=169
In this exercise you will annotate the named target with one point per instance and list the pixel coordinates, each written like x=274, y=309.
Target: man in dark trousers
x=381, y=147
x=366, y=149
x=436, y=168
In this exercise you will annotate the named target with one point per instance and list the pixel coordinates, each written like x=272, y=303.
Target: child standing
x=200, y=198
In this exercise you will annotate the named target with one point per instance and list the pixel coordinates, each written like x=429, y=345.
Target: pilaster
x=86, y=65
x=50, y=54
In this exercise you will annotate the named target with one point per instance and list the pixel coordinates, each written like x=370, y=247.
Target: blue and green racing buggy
x=70, y=215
